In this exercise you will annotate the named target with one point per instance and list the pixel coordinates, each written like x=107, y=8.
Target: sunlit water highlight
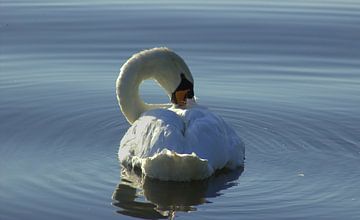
x=285, y=75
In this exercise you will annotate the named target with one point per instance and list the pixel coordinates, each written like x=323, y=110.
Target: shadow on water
x=155, y=199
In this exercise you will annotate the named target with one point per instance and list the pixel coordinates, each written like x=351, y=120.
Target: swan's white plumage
x=171, y=143
x=181, y=145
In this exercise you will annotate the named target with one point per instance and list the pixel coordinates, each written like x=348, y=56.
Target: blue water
x=284, y=74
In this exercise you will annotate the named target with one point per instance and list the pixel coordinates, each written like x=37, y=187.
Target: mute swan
x=181, y=141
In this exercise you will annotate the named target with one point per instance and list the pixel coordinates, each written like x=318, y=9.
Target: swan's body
x=165, y=141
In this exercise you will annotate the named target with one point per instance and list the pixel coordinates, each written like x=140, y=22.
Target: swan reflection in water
x=148, y=198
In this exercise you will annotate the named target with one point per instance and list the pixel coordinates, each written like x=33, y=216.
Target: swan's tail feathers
x=171, y=166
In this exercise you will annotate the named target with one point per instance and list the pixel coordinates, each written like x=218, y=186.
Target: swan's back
x=176, y=144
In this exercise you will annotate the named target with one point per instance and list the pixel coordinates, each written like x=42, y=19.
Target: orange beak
x=180, y=97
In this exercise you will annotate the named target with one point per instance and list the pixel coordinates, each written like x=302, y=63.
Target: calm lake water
x=284, y=74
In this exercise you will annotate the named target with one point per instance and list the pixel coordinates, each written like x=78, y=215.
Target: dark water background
x=284, y=74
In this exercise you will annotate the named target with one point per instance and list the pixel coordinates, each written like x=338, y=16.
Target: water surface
x=285, y=75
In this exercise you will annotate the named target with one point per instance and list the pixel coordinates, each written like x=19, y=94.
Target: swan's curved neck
x=128, y=86
x=160, y=64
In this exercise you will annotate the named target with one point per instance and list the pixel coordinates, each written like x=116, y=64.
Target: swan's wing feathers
x=151, y=133
x=212, y=138
x=162, y=140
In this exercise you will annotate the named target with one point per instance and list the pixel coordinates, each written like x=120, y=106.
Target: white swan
x=180, y=141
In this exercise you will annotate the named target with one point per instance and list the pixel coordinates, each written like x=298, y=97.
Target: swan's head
x=173, y=75
x=183, y=92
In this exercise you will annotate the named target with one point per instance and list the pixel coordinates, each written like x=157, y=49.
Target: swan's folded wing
x=154, y=131
x=213, y=139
